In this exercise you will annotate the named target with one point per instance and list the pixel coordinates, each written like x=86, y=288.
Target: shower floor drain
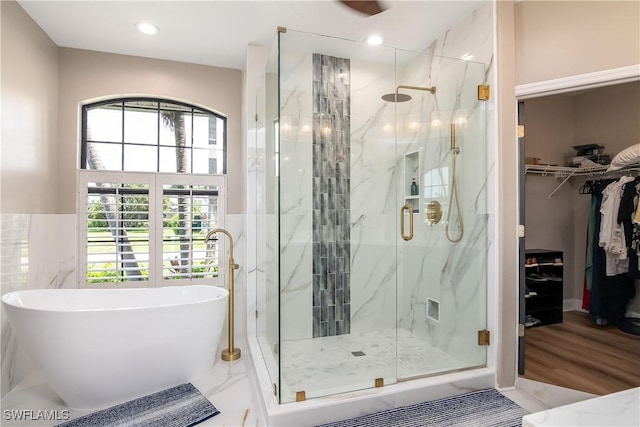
x=358, y=353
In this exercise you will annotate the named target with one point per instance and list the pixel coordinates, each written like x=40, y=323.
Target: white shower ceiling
x=217, y=32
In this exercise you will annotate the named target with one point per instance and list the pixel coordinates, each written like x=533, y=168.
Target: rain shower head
x=401, y=97
x=396, y=97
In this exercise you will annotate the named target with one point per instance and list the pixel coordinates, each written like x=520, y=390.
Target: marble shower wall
x=374, y=196
x=295, y=192
x=451, y=275
x=467, y=274
x=38, y=251
x=372, y=202
x=456, y=276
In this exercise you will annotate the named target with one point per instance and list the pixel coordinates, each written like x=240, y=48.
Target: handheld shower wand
x=453, y=196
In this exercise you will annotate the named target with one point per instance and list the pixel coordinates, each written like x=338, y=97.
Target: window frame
x=155, y=180
x=123, y=101
x=156, y=262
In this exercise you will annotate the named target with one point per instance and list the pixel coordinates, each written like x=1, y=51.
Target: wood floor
x=579, y=355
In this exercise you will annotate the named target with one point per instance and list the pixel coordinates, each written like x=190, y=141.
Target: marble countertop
x=616, y=409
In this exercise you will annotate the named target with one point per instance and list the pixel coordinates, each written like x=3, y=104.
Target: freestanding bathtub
x=100, y=347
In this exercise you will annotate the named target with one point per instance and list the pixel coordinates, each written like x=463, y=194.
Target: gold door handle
x=402, y=210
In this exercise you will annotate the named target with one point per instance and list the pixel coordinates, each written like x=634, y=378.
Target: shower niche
x=412, y=180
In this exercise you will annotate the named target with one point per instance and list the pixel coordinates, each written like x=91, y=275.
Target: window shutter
x=114, y=225
x=147, y=229
x=190, y=211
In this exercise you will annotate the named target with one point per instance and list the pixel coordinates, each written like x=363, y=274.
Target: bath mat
x=179, y=406
x=485, y=408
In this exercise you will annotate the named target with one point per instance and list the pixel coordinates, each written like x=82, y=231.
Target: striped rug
x=484, y=408
x=179, y=406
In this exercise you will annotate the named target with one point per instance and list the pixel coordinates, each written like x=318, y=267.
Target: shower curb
x=348, y=405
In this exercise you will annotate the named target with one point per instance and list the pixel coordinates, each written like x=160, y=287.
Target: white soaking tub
x=100, y=347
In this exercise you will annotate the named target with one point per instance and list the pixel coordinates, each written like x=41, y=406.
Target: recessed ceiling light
x=466, y=57
x=147, y=28
x=374, y=40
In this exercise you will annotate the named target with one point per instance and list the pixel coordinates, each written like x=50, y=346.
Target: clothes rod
x=566, y=172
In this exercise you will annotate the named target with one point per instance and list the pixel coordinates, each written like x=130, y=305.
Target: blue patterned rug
x=484, y=408
x=179, y=406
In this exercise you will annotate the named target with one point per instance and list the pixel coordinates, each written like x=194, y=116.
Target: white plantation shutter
x=190, y=209
x=148, y=229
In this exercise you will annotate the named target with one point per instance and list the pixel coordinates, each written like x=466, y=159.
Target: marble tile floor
x=232, y=388
x=229, y=386
x=615, y=410
x=342, y=363
x=535, y=396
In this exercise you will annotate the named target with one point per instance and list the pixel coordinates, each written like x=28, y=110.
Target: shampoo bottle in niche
x=414, y=187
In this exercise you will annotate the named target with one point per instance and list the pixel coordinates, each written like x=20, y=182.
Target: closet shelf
x=566, y=172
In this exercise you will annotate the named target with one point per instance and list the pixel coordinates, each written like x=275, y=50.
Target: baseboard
x=573, y=304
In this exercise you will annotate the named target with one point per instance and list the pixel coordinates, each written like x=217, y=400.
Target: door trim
x=521, y=238
x=579, y=82
x=601, y=78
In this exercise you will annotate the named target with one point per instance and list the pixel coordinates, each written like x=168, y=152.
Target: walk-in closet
x=584, y=340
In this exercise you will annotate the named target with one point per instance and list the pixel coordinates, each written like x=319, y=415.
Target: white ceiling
x=215, y=32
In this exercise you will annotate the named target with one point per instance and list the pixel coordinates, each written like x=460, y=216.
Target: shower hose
x=453, y=197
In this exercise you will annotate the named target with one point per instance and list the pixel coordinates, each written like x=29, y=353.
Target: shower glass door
x=262, y=181
x=337, y=217
x=441, y=151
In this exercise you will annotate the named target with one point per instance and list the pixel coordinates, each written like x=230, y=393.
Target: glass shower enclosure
x=371, y=222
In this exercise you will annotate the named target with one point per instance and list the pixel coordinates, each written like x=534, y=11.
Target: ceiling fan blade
x=368, y=7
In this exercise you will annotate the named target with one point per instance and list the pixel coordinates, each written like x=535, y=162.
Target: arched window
x=152, y=135
x=151, y=185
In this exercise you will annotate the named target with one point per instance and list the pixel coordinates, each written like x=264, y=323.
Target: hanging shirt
x=591, y=237
x=612, y=238
x=628, y=206
x=636, y=218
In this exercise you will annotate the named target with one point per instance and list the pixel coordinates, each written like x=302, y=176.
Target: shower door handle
x=409, y=208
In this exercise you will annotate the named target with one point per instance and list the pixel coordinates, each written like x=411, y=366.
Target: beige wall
x=563, y=38
x=550, y=129
x=29, y=86
x=549, y=222
x=609, y=116
x=43, y=87
x=88, y=75
x=507, y=178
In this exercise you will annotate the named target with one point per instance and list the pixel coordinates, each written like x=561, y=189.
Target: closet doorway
x=564, y=344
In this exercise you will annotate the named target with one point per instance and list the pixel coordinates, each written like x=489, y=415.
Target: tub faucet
x=231, y=353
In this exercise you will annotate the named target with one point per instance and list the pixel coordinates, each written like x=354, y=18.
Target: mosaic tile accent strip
x=331, y=196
